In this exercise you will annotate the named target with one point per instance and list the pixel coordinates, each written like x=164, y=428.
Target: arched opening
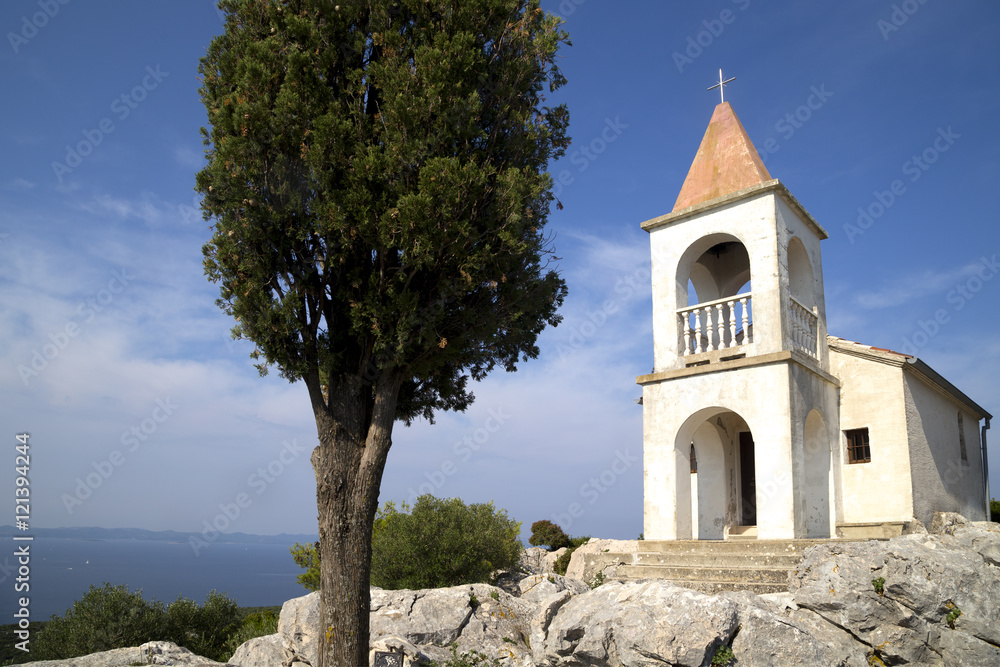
x=800, y=274
x=717, y=497
x=801, y=286
x=818, y=480
x=714, y=299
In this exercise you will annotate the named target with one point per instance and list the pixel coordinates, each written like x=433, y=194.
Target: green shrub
x=546, y=533
x=306, y=556
x=723, y=656
x=471, y=659
x=434, y=544
x=995, y=510
x=952, y=615
x=878, y=583
x=112, y=617
x=103, y=619
x=441, y=543
x=256, y=624
x=562, y=563
x=205, y=629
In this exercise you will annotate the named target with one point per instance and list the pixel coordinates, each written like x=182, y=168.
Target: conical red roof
x=726, y=161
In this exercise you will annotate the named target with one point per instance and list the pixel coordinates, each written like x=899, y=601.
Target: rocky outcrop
x=538, y=587
x=537, y=560
x=268, y=651
x=920, y=599
x=587, y=560
x=832, y=614
x=298, y=627
x=150, y=653
x=939, y=600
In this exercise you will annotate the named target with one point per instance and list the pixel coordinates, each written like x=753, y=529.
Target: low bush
x=439, y=543
x=546, y=533
x=103, y=619
x=112, y=617
x=562, y=563
x=205, y=629
x=434, y=544
x=256, y=624
x=995, y=510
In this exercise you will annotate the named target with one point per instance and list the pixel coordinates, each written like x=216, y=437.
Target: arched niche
x=818, y=477
x=801, y=283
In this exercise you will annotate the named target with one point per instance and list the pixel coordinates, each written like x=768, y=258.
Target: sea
x=63, y=569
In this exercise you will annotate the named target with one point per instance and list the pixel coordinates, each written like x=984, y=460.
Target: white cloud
x=147, y=207
x=189, y=158
x=913, y=286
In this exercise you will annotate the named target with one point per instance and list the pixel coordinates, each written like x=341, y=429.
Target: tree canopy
x=377, y=179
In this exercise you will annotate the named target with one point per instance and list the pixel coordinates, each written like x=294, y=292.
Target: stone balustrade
x=804, y=329
x=713, y=325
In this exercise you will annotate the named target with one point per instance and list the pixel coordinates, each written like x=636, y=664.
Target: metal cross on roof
x=722, y=86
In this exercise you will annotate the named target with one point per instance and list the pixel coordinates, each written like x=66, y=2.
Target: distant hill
x=155, y=535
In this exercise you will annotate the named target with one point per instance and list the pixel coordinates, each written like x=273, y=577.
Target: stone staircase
x=708, y=566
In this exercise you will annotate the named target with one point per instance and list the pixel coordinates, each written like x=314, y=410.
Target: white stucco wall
x=816, y=465
x=770, y=398
x=942, y=481
x=872, y=396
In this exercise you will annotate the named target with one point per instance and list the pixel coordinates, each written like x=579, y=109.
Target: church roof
x=726, y=161
x=907, y=362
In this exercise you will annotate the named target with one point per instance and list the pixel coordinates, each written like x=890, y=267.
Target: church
x=758, y=424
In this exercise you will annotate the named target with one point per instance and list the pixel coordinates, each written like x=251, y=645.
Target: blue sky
x=139, y=386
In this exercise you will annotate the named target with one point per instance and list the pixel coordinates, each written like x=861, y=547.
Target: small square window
x=858, y=449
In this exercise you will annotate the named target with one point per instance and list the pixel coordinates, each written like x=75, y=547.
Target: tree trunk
x=354, y=439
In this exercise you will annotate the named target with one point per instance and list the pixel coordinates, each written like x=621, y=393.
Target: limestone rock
x=266, y=651
x=639, y=623
x=474, y=616
x=533, y=560
x=150, y=653
x=543, y=619
x=925, y=578
x=587, y=560
x=421, y=617
x=946, y=522
x=298, y=626
x=766, y=637
x=537, y=587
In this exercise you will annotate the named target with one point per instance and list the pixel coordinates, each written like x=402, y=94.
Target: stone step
x=787, y=561
x=759, y=566
x=762, y=547
x=713, y=587
x=762, y=575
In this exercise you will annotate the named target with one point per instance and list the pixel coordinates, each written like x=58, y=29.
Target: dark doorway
x=748, y=480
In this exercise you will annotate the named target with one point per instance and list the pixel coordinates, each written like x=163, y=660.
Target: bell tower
x=733, y=228
x=740, y=355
